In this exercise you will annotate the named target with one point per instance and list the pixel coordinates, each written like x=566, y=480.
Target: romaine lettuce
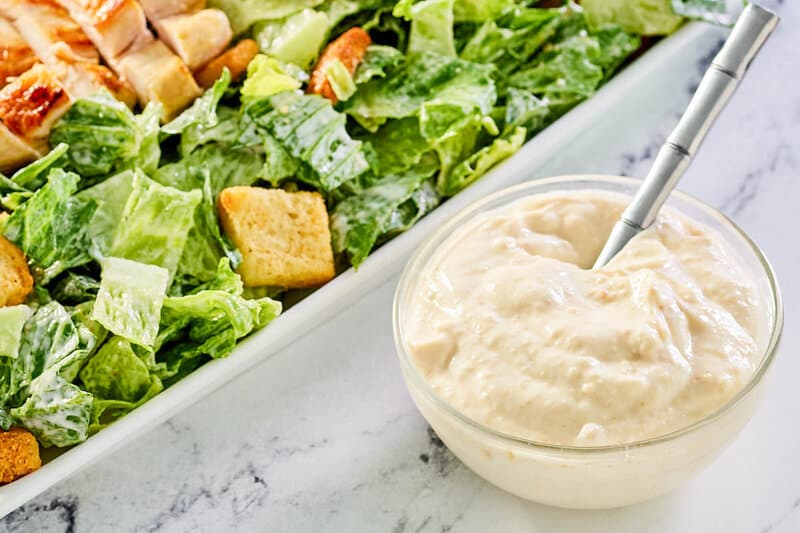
x=12, y=320
x=130, y=299
x=51, y=227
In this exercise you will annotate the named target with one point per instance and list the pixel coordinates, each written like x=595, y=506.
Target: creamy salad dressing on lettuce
x=510, y=327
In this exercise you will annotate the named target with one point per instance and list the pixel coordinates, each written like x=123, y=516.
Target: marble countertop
x=324, y=437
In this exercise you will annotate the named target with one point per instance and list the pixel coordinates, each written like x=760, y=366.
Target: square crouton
x=16, y=282
x=283, y=236
x=19, y=454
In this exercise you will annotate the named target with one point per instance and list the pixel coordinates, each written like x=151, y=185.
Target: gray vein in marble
x=772, y=525
x=750, y=185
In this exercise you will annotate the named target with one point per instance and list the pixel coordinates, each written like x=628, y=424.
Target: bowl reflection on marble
x=590, y=477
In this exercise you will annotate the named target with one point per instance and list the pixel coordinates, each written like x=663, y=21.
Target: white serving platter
x=347, y=288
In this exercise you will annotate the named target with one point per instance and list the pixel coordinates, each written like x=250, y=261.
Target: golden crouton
x=16, y=282
x=350, y=48
x=283, y=237
x=19, y=454
x=234, y=59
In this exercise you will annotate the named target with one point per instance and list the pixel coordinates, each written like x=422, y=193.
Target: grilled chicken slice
x=15, y=55
x=32, y=103
x=112, y=25
x=63, y=46
x=194, y=45
x=158, y=75
x=161, y=9
x=49, y=31
x=14, y=152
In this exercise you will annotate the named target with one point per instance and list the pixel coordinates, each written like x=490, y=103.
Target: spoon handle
x=720, y=81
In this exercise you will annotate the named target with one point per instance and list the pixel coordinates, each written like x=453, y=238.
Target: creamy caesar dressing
x=508, y=324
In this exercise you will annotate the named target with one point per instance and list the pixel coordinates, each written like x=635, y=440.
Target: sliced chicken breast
x=112, y=25
x=32, y=103
x=14, y=152
x=197, y=38
x=158, y=75
x=160, y=9
x=15, y=55
x=49, y=31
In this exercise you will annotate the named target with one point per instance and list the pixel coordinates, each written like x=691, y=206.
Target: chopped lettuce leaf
x=51, y=227
x=297, y=39
x=130, y=299
x=359, y=221
x=431, y=26
x=480, y=10
x=265, y=77
x=469, y=170
x=426, y=81
x=56, y=412
x=378, y=62
x=148, y=125
x=110, y=196
x=309, y=129
x=245, y=13
x=643, y=17
x=201, y=116
x=228, y=166
x=12, y=320
x=116, y=373
x=207, y=323
x=155, y=224
x=35, y=175
x=206, y=244
x=103, y=135
x=73, y=288
x=340, y=80
x=398, y=146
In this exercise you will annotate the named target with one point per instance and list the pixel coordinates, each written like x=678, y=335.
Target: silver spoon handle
x=720, y=81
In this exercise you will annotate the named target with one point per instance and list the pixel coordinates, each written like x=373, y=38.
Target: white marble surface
x=324, y=437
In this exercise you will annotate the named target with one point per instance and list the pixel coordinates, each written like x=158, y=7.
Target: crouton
x=16, y=282
x=350, y=49
x=19, y=454
x=234, y=59
x=283, y=237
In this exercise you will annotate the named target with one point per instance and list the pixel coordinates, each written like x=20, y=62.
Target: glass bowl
x=591, y=477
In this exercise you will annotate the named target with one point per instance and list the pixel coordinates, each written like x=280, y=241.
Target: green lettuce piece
x=279, y=164
x=207, y=323
x=116, y=373
x=148, y=128
x=110, y=196
x=309, y=129
x=480, y=10
x=12, y=320
x=642, y=17
x=511, y=42
x=426, y=83
x=52, y=227
x=206, y=244
x=56, y=412
x=227, y=166
x=245, y=13
x=130, y=299
x=297, y=39
x=524, y=109
x=378, y=62
x=103, y=135
x=35, y=175
x=340, y=79
x=469, y=170
x=199, y=117
x=155, y=225
x=359, y=221
x=51, y=340
x=398, y=146
x=265, y=77
x=431, y=26
x=105, y=412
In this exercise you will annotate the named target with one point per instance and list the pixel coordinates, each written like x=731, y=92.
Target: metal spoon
x=720, y=81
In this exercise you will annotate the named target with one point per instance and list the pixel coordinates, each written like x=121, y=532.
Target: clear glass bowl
x=591, y=477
